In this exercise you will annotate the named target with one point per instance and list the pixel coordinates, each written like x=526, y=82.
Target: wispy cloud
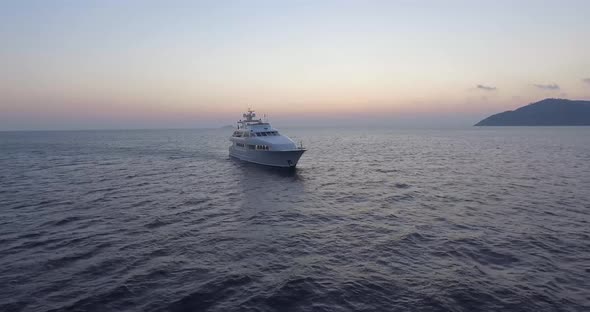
x=551, y=86
x=586, y=80
x=486, y=88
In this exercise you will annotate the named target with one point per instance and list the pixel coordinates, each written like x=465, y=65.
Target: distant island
x=548, y=112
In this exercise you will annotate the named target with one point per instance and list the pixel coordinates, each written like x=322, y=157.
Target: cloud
x=551, y=86
x=486, y=88
x=586, y=80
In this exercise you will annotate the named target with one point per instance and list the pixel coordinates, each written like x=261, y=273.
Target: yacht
x=258, y=142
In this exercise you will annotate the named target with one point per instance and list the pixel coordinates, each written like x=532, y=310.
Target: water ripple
x=372, y=220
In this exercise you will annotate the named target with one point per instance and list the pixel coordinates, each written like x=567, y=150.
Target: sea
x=372, y=219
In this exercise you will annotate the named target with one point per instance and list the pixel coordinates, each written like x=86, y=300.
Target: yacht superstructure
x=258, y=142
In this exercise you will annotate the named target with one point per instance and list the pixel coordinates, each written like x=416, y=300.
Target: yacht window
x=258, y=134
x=263, y=147
x=263, y=133
x=251, y=146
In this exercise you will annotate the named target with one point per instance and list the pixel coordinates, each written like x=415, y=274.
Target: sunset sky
x=144, y=64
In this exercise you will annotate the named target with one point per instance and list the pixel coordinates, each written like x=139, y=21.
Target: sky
x=189, y=64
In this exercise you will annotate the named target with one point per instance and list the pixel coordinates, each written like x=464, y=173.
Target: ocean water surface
x=475, y=219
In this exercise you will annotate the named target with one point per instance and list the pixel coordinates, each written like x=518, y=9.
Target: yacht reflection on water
x=270, y=189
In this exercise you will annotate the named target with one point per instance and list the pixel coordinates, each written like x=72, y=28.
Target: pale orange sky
x=155, y=64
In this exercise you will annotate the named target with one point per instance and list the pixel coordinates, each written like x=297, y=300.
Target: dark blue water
x=372, y=220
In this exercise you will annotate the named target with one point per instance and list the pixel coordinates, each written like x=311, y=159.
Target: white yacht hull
x=285, y=159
